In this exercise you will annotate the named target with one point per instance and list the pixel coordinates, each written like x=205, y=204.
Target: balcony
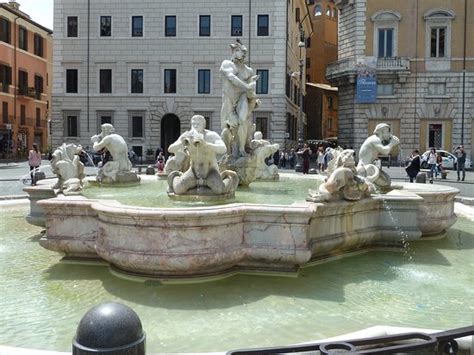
x=385, y=66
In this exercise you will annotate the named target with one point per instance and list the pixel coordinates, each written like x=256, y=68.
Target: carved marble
x=203, y=176
x=263, y=149
x=67, y=166
x=119, y=168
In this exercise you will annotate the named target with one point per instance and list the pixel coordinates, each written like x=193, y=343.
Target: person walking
x=34, y=161
x=413, y=167
x=460, y=154
x=432, y=162
x=320, y=159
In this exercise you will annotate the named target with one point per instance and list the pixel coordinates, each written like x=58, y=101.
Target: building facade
x=25, y=93
x=321, y=99
x=147, y=67
x=423, y=52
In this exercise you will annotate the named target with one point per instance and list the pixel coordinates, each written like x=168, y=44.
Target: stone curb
x=469, y=201
x=13, y=197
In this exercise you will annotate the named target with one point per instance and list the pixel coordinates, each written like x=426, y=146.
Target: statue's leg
x=243, y=113
x=184, y=183
x=227, y=138
x=215, y=183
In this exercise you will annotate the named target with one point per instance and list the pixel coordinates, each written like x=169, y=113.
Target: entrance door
x=170, y=131
x=435, y=136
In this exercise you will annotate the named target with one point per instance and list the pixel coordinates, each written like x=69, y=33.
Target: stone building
x=423, y=52
x=321, y=99
x=147, y=67
x=25, y=71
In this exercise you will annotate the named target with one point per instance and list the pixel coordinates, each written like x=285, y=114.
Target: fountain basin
x=183, y=243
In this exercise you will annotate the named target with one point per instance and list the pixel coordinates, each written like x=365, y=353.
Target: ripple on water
x=43, y=300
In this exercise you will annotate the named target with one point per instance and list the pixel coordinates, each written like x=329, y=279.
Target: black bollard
x=109, y=329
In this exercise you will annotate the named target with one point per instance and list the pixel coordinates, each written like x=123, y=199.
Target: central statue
x=202, y=177
x=239, y=99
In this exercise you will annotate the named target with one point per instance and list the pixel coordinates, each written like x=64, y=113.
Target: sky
x=41, y=11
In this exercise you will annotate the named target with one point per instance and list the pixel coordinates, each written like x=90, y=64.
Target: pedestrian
x=413, y=167
x=432, y=161
x=276, y=158
x=460, y=154
x=283, y=158
x=34, y=161
x=320, y=159
x=439, y=164
x=292, y=158
x=305, y=154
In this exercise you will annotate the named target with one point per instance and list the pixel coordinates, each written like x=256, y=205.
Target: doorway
x=170, y=131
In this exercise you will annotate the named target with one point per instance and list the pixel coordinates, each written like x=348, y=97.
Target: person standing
x=320, y=159
x=432, y=162
x=413, y=167
x=460, y=154
x=34, y=161
x=305, y=154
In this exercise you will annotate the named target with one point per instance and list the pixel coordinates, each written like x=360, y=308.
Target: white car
x=449, y=160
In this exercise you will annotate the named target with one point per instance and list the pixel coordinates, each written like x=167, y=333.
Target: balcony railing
x=348, y=66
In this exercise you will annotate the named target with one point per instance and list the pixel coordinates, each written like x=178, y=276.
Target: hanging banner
x=366, y=88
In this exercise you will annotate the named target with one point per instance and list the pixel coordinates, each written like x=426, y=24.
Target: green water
x=430, y=285
x=153, y=193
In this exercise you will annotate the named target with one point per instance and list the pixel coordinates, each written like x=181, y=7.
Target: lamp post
x=301, y=44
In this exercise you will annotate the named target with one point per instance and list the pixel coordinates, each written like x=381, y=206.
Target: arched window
x=328, y=11
x=317, y=10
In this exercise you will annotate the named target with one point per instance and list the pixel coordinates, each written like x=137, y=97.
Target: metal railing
x=349, y=65
x=407, y=343
x=393, y=63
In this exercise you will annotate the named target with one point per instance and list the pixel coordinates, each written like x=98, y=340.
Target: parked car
x=449, y=160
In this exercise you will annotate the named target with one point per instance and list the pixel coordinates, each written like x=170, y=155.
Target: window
x=71, y=126
x=330, y=119
x=105, y=81
x=23, y=115
x=39, y=46
x=385, y=44
x=236, y=25
x=288, y=85
x=261, y=124
x=5, y=78
x=317, y=10
x=310, y=2
x=330, y=102
x=38, y=87
x=105, y=119
x=308, y=62
x=137, y=126
x=262, y=82
x=137, y=81
x=262, y=25
x=204, y=26
x=22, y=38
x=308, y=78
x=105, y=26
x=5, y=32
x=170, y=81
x=72, y=24
x=170, y=26
x=71, y=81
x=38, y=117
x=384, y=89
x=308, y=42
x=5, y=112
x=297, y=15
x=204, y=81
x=437, y=89
x=435, y=135
x=22, y=82
x=438, y=42
x=328, y=11
x=137, y=26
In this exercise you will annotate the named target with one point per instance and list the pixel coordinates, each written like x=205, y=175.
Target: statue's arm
x=227, y=70
x=100, y=145
x=385, y=149
x=216, y=144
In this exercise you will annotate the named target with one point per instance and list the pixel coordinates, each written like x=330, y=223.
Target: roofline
x=16, y=13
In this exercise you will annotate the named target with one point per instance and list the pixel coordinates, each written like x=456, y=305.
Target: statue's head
x=198, y=122
x=107, y=129
x=257, y=135
x=382, y=130
x=239, y=51
x=346, y=158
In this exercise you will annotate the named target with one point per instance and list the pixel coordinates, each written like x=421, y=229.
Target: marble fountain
x=199, y=226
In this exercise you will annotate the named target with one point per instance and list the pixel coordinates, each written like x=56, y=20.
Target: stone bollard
x=109, y=328
x=150, y=170
x=39, y=175
x=421, y=178
x=444, y=175
x=312, y=171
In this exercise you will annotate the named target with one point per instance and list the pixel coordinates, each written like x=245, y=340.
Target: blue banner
x=366, y=89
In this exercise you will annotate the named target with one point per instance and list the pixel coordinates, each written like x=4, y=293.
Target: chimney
x=14, y=5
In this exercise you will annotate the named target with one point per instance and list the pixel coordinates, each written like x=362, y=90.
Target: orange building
x=321, y=99
x=25, y=92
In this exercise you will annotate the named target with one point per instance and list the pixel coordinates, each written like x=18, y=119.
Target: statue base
x=203, y=194
x=162, y=176
x=245, y=167
x=126, y=178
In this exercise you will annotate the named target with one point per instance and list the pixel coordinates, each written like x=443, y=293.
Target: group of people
x=435, y=164
x=285, y=159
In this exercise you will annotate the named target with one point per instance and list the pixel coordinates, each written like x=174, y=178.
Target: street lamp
x=301, y=44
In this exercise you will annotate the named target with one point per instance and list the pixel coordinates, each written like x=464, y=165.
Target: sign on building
x=366, y=88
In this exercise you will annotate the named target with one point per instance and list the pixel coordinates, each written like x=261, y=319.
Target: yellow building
x=423, y=55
